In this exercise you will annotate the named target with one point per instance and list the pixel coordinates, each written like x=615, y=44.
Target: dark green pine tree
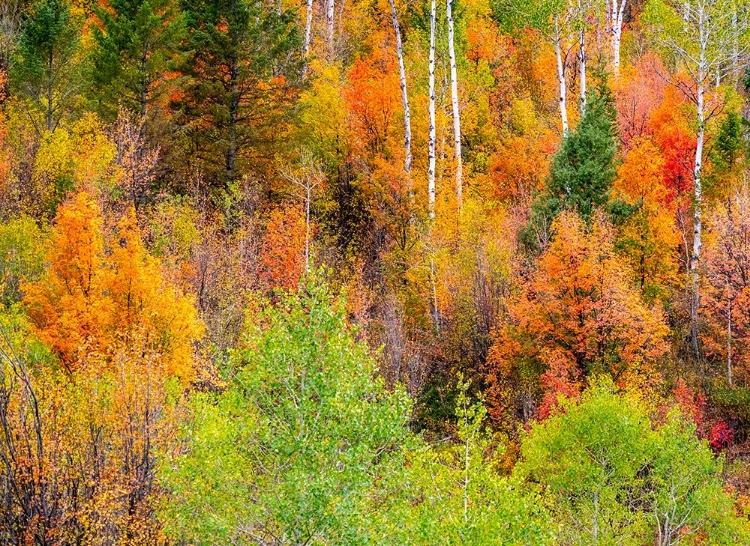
x=242, y=69
x=582, y=172
x=135, y=48
x=730, y=143
x=44, y=69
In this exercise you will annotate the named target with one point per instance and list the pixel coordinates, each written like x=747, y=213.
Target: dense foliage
x=374, y=272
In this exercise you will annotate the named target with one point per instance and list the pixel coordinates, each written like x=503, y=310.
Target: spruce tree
x=135, y=46
x=582, y=172
x=44, y=69
x=242, y=63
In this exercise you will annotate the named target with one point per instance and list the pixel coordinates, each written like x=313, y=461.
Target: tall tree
x=703, y=38
x=432, y=129
x=45, y=68
x=582, y=171
x=135, y=45
x=242, y=68
x=404, y=91
x=615, y=17
x=554, y=19
x=455, y=106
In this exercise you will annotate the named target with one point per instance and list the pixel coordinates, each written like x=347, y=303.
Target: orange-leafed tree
x=147, y=311
x=68, y=307
x=97, y=298
x=648, y=236
x=372, y=98
x=726, y=313
x=638, y=92
x=578, y=314
x=282, y=256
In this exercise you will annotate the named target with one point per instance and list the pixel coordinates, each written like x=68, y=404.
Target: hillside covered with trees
x=401, y=272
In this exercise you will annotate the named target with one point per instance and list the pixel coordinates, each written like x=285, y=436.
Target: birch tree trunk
x=561, y=80
x=433, y=136
x=404, y=92
x=456, y=113
x=618, y=13
x=582, y=70
x=330, y=20
x=697, y=181
x=308, y=35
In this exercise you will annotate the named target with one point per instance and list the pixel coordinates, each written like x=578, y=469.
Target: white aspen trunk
x=698, y=201
x=433, y=135
x=330, y=19
x=618, y=14
x=404, y=92
x=308, y=34
x=456, y=113
x=582, y=71
x=561, y=80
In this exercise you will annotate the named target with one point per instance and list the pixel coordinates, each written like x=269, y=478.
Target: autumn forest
x=383, y=272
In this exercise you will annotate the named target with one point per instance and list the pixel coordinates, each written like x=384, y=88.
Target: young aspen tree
x=456, y=111
x=615, y=17
x=308, y=35
x=404, y=93
x=433, y=136
x=699, y=36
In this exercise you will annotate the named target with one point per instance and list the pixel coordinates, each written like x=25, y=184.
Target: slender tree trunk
x=697, y=212
x=433, y=135
x=618, y=14
x=144, y=80
x=308, y=35
x=608, y=22
x=404, y=92
x=456, y=112
x=330, y=20
x=561, y=80
x=582, y=71
x=233, y=115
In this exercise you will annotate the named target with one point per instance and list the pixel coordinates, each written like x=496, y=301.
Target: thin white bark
x=404, y=92
x=582, y=70
x=561, y=80
x=456, y=112
x=330, y=20
x=617, y=16
x=433, y=135
x=697, y=180
x=308, y=34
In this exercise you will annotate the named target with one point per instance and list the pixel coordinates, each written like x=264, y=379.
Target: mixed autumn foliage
x=325, y=272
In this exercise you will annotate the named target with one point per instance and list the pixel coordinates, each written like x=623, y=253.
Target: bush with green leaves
x=307, y=446
x=610, y=476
